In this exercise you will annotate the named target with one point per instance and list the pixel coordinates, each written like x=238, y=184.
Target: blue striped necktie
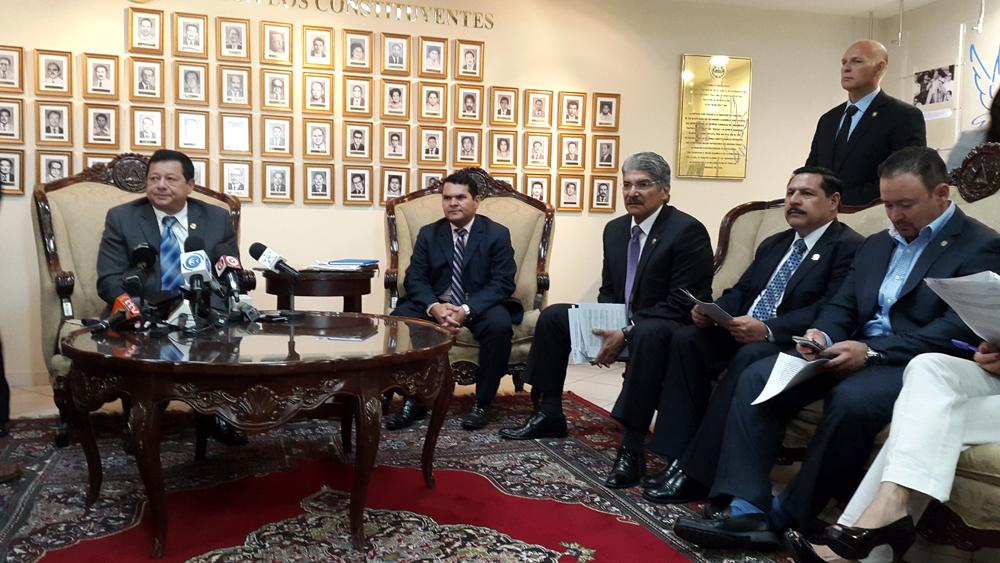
x=457, y=291
x=170, y=257
x=767, y=305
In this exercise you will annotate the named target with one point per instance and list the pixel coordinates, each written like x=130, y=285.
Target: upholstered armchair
x=530, y=222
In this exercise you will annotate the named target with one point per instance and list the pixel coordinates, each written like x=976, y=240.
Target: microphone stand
x=291, y=314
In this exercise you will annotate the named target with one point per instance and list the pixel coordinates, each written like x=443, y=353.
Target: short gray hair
x=650, y=163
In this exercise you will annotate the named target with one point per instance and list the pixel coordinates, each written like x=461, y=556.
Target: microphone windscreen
x=256, y=249
x=133, y=285
x=194, y=244
x=143, y=256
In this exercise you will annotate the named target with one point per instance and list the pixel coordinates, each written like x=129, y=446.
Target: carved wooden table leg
x=144, y=423
x=352, y=303
x=369, y=428
x=442, y=372
x=84, y=432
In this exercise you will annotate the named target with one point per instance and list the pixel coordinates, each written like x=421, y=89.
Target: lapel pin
x=874, y=114
x=944, y=243
x=194, y=226
x=815, y=257
x=653, y=242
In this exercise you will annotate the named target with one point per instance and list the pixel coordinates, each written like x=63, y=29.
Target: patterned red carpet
x=283, y=498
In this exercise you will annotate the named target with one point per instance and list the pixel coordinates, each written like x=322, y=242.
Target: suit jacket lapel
x=933, y=251
x=820, y=249
x=881, y=255
x=652, y=240
x=150, y=228
x=472, y=242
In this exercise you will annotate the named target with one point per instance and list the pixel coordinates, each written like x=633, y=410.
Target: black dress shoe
x=661, y=476
x=226, y=433
x=411, y=412
x=629, y=468
x=858, y=543
x=678, y=489
x=717, y=507
x=477, y=418
x=540, y=425
x=801, y=550
x=749, y=531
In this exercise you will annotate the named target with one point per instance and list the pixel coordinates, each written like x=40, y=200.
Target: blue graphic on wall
x=985, y=79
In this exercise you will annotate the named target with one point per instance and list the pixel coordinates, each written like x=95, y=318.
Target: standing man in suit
x=462, y=274
x=882, y=316
x=793, y=273
x=650, y=254
x=853, y=138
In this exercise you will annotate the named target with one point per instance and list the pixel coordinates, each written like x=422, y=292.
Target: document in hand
x=975, y=298
x=717, y=314
x=583, y=319
x=788, y=372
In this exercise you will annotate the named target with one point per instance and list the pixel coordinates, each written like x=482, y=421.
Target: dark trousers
x=4, y=392
x=856, y=408
x=549, y=355
x=649, y=357
x=493, y=331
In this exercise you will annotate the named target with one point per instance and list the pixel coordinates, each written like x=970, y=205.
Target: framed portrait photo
x=433, y=102
x=571, y=190
x=432, y=145
x=53, y=73
x=317, y=93
x=11, y=70
x=469, y=58
x=433, y=58
x=53, y=165
x=572, y=151
x=425, y=178
x=276, y=131
x=12, y=171
x=605, y=111
x=100, y=126
x=235, y=134
x=503, y=149
x=145, y=31
x=503, y=106
x=100, y=76
x=358, y=51
x=510, y=178
x=236, y=179
x=358, y=186
x=537, y=150
x=54, y=123
x=147, y=128
x=191, y=83
x=317, y=47
x=605, y=154
x=396, y=100
x=357, y=141
x=275, y=43
x=146, y=80
x=191, y=131
x=395, y=54
x=357, y=96
x=317, y=138
x=92, y=159
x=468, y=147
x=318, y=183
x=603, y=193
x=395, y=143
x=234, y=86
x=468, y=108
x=200, y=171
x=11, y=121
x=190, y=35
x=572, y=110
x=537, y=186
x=276, y=89
x=232, y=39
x=279, y=180
x=538, y=108
x=394, y=183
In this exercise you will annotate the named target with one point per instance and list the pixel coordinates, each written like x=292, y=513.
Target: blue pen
x=963, y=345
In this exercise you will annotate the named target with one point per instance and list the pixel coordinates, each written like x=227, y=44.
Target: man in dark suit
x=882, y=316
x=777, y=297
x=462, y=274
x=649, y=256
x=853, y=138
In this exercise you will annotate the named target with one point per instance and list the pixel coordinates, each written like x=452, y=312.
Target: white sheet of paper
x=788, y=372
x=584, y=344
x=716, y=313
x=975, y=298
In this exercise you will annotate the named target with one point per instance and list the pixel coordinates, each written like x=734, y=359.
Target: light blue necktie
x=768, y=303
x=170, y=257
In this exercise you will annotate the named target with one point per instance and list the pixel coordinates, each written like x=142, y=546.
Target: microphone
x=123, y=312
x=195, y=270
x=142, y=258
x=272, y=260
x=227, y=271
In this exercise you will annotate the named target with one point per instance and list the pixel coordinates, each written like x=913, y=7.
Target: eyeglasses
x=641, y=185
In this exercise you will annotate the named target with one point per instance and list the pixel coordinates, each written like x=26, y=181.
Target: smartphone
x=808, y=343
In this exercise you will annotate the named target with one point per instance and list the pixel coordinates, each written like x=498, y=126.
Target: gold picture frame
x=276, y=89
x=236, y=93
x=12, y=70
x=395, y=143
x=571, y=160
x=498, y=157
x=92, y=159
x=48, y=83
x=358, y=96
x=605, y=204
x=56, y=132
x=604, y=121
x=273, y=191
x=236, y=179
x=537, y=150
x=358, y=141
x=147, y=129
x=145, y=87
x=396, y=54
x=101, y=77
x=359, y=185
x=322, y=193
x=428, y=91
x=12, y=178
x=11, y=125
x=567, y=200
x=191, y=130
x=319, y=101
x=604, y=162
x=235, y=134
x=573, y=120
x=433, y=58
x=358, y=51
x=503, y=114
x=277, y=133
x=464, y=155
x=423, y=177
x=538, y=109
x=232, y=39
x=317, y=138
x=42, y=164
x=145, y=31
x=470, y=60
x=461, y=111
x=189, y=93
x=186, y=44
x=100, y=133
x=320, y=58
x=395, y=100
x=276, y=43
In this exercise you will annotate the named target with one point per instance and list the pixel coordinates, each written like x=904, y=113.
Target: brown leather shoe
x=9, y=472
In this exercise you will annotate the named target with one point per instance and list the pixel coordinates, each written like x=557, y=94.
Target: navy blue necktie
x=457, y=290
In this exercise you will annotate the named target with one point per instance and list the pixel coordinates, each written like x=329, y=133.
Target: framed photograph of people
x=276, y=89
x=232, y=39
x=145, y=31
x=605, y=111
x=279, y=181
x=12, y=171
x=100, y=76
x=358, y=51
x=469, y=58
x=538, y=108
x=603, y=193
x=318, y=180
x=432, y=143
x=395, y=54
x=537, y=150
x=509, y=178
x=200, y=170
x=11, y=121
x=317, y=47
x=433, y=58
x=317, y=93
x=571, y=189
x=275, y=43
x=468, y=104
x=357, y=96
x=395, y=143
x=358, y=185
x=191, y=130
x=605, y=151
x=100, y=126
x=92, y=159
x=146, y=80
x=191, y=83
x=54, y=123
x=236, y=179
x=317, y=138
x=235, y=135
x=53, y=73
x=147, y=128
x=503, y=149
x=394, y=183
x=395, y=100
x=12, y=70
x=572, y=151
x=234, y=86
x=468, y=147
x=425, y=178
x=433, y=102
x=190, y=35
x=572, y=110
x=357, y=141
x=53, y=165
x=277, y=134
x=537, y=186
x=503, y=106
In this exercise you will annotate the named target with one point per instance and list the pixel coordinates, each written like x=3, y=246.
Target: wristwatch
x=873, y=357
x=468, y=311
x=627, y=333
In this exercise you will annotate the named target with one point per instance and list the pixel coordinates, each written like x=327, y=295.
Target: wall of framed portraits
x=314, y=118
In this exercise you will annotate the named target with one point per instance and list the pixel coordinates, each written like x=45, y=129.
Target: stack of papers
x=975, y=298
x=583, y=319
x=788, y=372
x=716, y=313
x=343, y=265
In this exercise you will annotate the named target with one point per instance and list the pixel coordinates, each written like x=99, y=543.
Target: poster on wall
x=934, y=86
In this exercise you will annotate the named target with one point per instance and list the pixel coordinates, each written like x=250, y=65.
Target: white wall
x=621, y=46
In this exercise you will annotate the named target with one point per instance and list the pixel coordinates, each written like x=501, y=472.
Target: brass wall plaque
x=714, y=124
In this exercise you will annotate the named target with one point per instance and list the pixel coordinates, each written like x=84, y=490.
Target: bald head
x=862, y=68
